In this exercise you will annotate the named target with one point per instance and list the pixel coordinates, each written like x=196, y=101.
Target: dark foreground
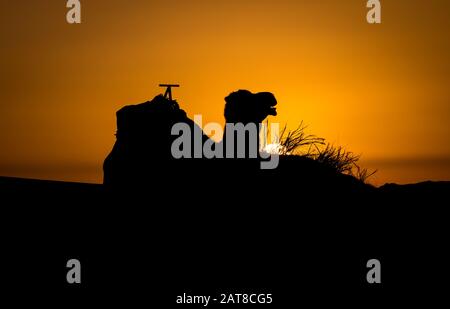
x=199, y=236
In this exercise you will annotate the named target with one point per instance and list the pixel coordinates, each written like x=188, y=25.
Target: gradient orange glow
x=379, y=90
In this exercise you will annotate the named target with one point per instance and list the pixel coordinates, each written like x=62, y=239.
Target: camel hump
x=156, y=115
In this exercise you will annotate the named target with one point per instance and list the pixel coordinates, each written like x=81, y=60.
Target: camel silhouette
x=142, y=150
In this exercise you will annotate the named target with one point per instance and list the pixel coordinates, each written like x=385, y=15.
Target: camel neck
x=235, y=132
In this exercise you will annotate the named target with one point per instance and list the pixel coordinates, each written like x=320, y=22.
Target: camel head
x=247, y=107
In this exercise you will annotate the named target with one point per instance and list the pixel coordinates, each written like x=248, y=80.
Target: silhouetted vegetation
x=298, y=143
x=293, y=142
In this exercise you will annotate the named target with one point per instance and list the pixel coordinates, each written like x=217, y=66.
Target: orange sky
x=379, y=90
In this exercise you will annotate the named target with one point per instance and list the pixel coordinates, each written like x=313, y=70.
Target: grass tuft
x=298, y=142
